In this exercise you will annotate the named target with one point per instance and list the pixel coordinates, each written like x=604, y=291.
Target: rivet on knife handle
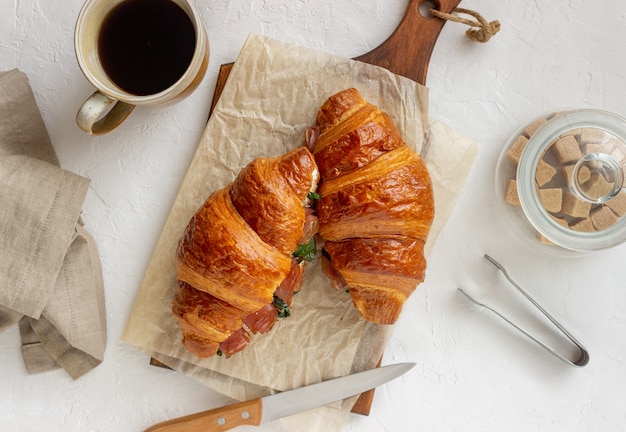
x=218, y=419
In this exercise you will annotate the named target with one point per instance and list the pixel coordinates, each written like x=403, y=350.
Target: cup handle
x=93, y=118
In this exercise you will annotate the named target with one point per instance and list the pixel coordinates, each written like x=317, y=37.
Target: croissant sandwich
x=242, y=255
x=376, y=206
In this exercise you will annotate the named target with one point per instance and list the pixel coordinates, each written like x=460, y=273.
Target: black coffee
x=145, y=46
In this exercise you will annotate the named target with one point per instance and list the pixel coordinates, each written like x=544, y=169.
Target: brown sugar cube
x=561, y=221
x=566, y=172
x=596, y=186
x=516, y=149
x=543, y=240
x=566, y=150
x=589, y=148
x=612, y=143
x=584, y=225
x=557, y=114
x=584, y=174
x=545, y=172
x=617, y=149
x=574, y=206
x=603, y=218
x=511, y=194
x=618, y=154
x=618, y=204
x=551, y=199
x=532, y=128
x=573, y=132
x=591, y=135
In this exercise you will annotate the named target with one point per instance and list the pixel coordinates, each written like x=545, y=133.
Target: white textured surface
x=473, y=373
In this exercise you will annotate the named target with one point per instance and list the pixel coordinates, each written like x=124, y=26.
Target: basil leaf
x=314, y=196
x=306, y=251
x=282, y=308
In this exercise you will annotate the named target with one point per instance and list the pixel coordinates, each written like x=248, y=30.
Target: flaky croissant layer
x=376, y=205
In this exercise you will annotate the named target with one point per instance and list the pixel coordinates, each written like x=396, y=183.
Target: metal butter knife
x=269, y=408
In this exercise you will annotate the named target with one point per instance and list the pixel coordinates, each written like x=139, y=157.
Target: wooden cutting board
x=407, y=53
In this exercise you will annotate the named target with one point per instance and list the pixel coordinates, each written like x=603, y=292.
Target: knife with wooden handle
x=269, y=408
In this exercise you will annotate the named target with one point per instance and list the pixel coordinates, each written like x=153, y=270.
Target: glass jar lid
x=570, y=180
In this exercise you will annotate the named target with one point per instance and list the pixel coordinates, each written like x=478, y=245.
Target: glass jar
x=560, y=181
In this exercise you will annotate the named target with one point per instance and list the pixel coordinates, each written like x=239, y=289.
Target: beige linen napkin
x=50, y=275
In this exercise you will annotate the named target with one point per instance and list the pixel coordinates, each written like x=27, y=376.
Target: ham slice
x=262, y=320
x=235, y=343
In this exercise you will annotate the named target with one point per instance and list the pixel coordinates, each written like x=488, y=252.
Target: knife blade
x=269, y=408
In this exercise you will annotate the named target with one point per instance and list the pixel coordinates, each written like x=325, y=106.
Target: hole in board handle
x=425, y=7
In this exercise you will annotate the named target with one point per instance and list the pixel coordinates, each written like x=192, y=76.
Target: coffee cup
x=137, y=52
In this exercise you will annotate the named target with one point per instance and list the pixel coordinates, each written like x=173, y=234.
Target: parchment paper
x=271, y=97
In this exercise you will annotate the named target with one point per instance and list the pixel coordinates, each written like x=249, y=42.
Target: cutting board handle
x=407, y=51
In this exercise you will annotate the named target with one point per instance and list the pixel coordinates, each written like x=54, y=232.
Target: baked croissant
x=239, y=260
x=376, y=206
